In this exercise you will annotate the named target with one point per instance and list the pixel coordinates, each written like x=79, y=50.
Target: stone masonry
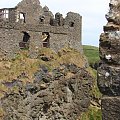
x=109, y=70
x=31, y=26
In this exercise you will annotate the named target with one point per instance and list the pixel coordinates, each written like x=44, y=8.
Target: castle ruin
x=29, y=26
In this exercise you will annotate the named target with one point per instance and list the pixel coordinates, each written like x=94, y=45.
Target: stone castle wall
x=29, y=18
x=109, y=70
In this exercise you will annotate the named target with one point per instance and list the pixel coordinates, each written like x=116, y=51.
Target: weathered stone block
x=109, y=80
x=110, y=27
x=110, y=47
x=111, y=108
x=113, y=14
x=110, y=57
x=110, y=41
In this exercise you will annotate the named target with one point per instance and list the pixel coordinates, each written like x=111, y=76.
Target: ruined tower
x=109, y=70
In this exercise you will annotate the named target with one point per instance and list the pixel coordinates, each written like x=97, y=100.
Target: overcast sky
x=92, y=11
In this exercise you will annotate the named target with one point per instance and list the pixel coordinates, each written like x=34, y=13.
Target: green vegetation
x=95, y=93
x=94, y=111
x=92, y=54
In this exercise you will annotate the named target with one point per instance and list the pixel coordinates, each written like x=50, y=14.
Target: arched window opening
x=45, y=39
x=25, y=42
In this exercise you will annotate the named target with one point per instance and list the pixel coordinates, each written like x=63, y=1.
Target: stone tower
x=109, y=70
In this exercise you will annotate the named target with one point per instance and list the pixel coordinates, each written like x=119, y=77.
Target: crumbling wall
x=109, y=70
x=9, y=40
x=31, y=9
x=12, y=15
x=58, y=41
x=28, y=16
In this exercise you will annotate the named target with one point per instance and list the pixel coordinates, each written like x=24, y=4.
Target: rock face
x=109, y=70
x=62, y=94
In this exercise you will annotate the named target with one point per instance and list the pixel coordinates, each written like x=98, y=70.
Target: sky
x=92, y=12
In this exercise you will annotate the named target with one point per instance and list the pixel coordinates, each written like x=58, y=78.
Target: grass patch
x=71, y=56
x=92, y=54
x=95, y=93
x=9, y=70
x=93, y=113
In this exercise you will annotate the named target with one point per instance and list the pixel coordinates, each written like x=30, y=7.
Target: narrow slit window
x=71, y=24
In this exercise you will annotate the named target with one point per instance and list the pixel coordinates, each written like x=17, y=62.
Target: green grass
x=92, y=53
x=94, y=112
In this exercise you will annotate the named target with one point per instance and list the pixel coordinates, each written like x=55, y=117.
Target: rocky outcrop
x=60, y=94
x=109, y=70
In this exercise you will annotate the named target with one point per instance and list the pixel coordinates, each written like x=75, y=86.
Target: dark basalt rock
x=111, y=108
x=61, y=99
x=109, y=80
